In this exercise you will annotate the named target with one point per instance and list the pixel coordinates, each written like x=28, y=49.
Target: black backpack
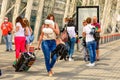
x=95, y=34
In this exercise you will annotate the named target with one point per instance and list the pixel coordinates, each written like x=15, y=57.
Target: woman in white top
x=72, y=35
x=90, y=41
x=47, y=38
x=19, y=37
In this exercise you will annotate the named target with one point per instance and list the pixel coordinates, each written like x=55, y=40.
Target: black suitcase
x=0, y=72
x=25, y=62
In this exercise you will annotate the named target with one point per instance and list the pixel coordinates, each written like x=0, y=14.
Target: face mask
x=6, y=20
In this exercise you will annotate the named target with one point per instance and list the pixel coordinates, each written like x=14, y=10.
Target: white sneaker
x=70, y=59
x=91, y=64
x=30, y=55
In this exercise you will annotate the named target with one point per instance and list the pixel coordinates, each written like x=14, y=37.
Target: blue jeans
x=8, y=41
x=47, y=47
x=91, y=46
x=70, y=46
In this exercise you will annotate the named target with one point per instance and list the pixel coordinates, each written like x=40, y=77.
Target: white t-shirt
x=87, y=30
x=71, y=31
x=20, y=32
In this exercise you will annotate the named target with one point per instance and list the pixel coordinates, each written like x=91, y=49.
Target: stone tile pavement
x=108, y=68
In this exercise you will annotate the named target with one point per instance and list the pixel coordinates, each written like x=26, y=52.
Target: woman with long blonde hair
x=28, y=32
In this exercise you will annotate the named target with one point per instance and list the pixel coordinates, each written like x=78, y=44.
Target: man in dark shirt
x=98, y=29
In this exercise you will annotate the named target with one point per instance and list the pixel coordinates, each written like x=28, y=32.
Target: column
x=72, y=8
x=2, y=15
x=16, y=11
x=84, y=2
x=106, y=16
x=114, y=19
x=38, y=20
x=66, y=10
x=28, y=9
x=96, y=2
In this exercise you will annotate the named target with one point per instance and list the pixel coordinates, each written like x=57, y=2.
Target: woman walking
x=47, y=38
x=19, y=37
x=72, y=35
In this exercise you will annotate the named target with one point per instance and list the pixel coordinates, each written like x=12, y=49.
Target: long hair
x=19, y=19
x=70, y=22
x=51, y=15
x=88, y=20
x=26, y=22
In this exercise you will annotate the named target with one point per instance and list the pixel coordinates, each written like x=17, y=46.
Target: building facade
x=35, y=11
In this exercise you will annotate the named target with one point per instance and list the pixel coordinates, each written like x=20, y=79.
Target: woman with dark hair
x=19, y=37
x=47, y=38
x=72, y=34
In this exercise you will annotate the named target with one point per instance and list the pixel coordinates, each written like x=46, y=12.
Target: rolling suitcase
x=0, y=72
x=25, y=62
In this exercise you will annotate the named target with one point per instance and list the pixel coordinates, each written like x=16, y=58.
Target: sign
x=83, y=12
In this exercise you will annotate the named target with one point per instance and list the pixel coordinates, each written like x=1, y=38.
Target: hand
x=51, y=26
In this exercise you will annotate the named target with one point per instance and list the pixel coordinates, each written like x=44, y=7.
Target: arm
x=11, y=26
x=17, y=29
x=99, y=28
x=31, y=31
x=84, y=32
x=26, y=31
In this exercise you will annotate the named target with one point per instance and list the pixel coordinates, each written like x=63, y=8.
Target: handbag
x=65, y=36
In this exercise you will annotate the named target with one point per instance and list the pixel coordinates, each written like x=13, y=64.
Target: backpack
x=95, y=34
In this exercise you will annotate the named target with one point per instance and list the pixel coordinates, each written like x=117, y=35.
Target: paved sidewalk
x=108, y=68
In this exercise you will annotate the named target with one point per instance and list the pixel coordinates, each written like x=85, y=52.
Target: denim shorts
x=27, y=40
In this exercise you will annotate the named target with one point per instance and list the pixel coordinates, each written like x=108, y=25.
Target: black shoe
x=7, y=49
x=97, y=59
x=11, y=49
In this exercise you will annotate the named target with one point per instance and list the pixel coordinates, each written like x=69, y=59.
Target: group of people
x=21, y=33
x=92, y=44
x=47, y=39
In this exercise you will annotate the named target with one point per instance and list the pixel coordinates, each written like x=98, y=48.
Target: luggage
x=0, y=72
x=25, y=62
